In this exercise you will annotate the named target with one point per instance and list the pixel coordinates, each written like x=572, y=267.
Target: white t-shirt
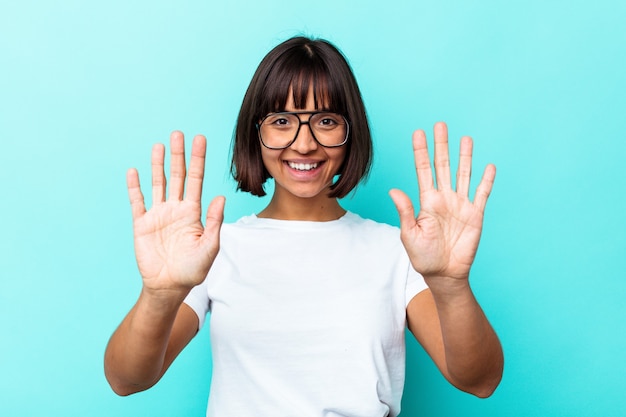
x=307, y=318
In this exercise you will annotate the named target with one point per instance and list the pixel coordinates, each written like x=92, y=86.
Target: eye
x=328, y=120
x=279, y=120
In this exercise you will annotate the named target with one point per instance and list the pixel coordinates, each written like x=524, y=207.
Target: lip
x=304, y=173
x=303, y=160
x=307, y=161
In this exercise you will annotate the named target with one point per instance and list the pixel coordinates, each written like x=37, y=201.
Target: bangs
x=297, y=74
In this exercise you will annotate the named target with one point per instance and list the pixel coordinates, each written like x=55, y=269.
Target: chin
x=312, y=193
x=307, y=192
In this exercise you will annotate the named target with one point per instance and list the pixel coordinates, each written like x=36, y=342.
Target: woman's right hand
x=174, y=250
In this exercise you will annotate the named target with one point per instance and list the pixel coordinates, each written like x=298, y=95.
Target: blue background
x=87, y=87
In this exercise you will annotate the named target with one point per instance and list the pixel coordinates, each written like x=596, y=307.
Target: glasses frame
x=301, y=122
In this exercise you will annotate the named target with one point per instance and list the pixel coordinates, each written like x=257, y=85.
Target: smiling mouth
x=302, y=167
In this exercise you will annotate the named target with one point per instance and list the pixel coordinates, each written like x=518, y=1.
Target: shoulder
x=243, y=223
x=370, y=226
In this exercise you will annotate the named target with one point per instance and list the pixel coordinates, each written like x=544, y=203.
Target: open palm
x=443, y=239
x=173, y=249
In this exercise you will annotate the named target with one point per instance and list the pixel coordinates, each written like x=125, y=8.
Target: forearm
x=135, y=355
x=473, y=354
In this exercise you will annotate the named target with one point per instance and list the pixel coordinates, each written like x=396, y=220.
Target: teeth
x=302, y=167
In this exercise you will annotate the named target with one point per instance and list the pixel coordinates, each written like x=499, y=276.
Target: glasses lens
x=279, y=130
x=329, y=128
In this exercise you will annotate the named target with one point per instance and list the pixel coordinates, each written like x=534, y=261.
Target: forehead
x=304, y=90
x=309, y=99
x=293, y=81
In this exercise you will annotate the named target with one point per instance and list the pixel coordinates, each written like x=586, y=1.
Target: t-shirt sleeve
x=414, y=284
x=198, y=300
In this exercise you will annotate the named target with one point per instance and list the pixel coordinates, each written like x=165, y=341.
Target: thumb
x=214, y=219
x=215, y=214
x=404, y=206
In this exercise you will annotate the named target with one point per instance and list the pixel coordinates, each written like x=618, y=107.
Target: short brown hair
x=299, y=63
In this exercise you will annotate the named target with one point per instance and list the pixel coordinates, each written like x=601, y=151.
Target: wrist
x=446, y=287
x=162, y=300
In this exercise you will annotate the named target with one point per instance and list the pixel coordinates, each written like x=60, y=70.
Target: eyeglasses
x=280, y=130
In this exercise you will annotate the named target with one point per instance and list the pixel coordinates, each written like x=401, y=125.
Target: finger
x=215, y=213
x=196, y=169
x=422, y=162
x=405, y=208
x=442, y=156
x=137, y=206
x=158, y=174
x=484, y=188
x=177, y=166
x=214, y=220
x=464, y=172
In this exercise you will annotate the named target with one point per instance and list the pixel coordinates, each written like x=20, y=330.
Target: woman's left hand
x=443, y=239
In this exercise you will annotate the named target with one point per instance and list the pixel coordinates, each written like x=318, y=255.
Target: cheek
x=338, y=158
x=270, y=158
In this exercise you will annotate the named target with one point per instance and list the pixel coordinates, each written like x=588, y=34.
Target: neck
x=289, y=207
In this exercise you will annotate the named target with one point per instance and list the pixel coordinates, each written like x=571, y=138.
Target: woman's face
x=305, y=169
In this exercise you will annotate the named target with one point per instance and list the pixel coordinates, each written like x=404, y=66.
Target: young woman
x=308, y=303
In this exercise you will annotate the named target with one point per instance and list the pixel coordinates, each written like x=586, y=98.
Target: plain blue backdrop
x=86, y=88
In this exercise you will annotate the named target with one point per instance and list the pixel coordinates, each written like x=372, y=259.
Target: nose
x=304, y=142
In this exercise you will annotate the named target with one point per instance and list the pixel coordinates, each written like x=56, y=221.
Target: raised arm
x=442, y=242
x=174, y=252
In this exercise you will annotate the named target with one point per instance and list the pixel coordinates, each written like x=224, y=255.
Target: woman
x=308, y=302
